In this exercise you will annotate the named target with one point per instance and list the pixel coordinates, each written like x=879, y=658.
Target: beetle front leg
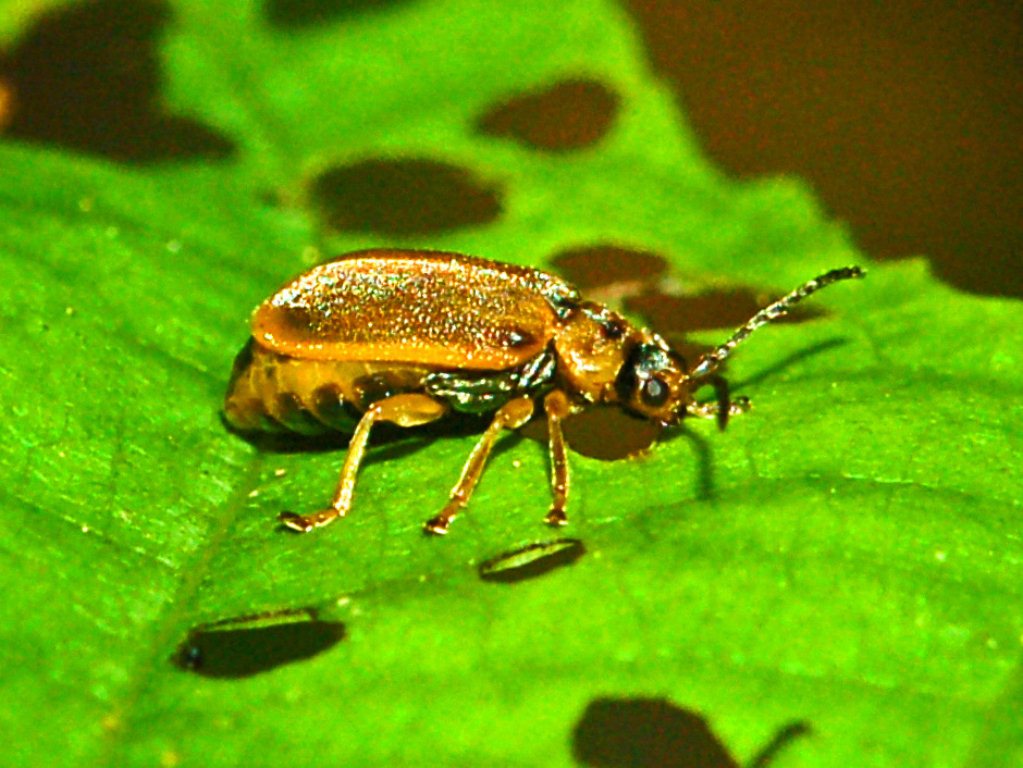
x=714, y=410
x=511, y=415
x=557, y=407
x=409, y=410
x=723, y=407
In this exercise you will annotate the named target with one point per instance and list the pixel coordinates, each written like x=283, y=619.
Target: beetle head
x=602, y=358
x=653, y=381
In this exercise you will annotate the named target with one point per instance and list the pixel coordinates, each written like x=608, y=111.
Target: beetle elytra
x=410, y=337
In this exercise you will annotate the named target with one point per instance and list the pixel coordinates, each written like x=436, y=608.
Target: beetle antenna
x=711, y=361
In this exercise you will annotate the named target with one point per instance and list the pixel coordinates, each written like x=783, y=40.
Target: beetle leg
x=557, y=408
x=511, y=415
x=723, y=406
x=407, y=410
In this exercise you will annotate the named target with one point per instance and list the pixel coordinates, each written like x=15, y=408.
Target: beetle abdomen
x=273, y=392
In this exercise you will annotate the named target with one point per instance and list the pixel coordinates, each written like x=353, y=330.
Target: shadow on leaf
x=248, y=645
x=655, y=733
x=298, y=14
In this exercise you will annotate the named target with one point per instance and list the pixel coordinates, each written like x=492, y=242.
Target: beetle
x=411, y=337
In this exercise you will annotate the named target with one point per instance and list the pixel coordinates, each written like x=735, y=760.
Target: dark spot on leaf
x=87, y=77
x=606, y=433
x=611, y=273
x=249, y=645
x=728, y=309
x=410, y=196
x=532, y=560
x=613, y=270
x=568, y=115
x=294, y=14
x=655, y=733
x=681, y=314
x=609, y=434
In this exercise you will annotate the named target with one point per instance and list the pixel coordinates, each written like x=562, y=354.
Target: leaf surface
x=847, y=554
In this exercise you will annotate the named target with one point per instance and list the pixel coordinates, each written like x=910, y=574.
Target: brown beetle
x=408, y=337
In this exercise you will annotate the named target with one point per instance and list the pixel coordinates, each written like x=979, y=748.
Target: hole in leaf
x=612, y=270
x=609, y=434
x=532, y=560
x=715, y=309
x=655, y=733
x=410, y=196
x=294, y=14
x=568, y=115
x=248, y=645
x=606, y=433
x=87, y=77
x=608, y=273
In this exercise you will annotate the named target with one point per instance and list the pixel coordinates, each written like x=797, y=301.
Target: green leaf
x=846, y=555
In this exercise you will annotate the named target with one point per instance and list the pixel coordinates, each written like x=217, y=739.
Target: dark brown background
x=906, y=117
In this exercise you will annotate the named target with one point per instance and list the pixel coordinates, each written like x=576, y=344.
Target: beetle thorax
x=591, y=347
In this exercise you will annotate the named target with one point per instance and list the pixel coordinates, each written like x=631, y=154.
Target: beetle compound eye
x=654, y=393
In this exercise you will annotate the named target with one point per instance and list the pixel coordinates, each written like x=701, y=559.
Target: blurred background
x=906, y=116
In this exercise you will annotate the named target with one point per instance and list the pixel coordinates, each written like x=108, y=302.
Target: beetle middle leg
x=407, y=410
x=511, y=415
x=557, y=407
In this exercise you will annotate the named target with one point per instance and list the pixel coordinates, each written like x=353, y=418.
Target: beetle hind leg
x=408, y=410
x=511, y=415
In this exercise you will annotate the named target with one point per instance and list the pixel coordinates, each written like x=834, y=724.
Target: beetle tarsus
x=295, y=522
x=437, y=526
x=713, y=410
x=305, y=523
x=556, y=518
